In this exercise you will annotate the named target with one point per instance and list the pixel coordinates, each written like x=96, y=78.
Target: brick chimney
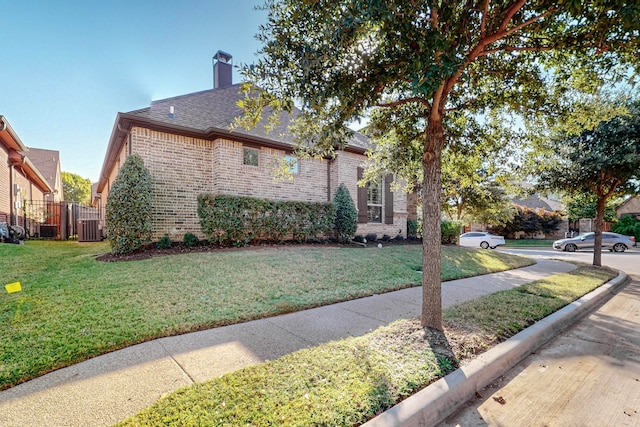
x=222, y=70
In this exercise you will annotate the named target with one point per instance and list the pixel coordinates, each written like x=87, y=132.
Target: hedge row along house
x=189, y=149
x=22, y=182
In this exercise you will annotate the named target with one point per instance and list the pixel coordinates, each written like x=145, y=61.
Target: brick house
x=20, y=180
x=188, y=148
x=630, y=206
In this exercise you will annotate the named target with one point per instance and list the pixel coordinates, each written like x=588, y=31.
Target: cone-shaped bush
x=128, y=216
x=346, y=214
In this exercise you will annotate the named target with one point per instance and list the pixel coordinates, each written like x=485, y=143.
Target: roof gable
x=47, y=162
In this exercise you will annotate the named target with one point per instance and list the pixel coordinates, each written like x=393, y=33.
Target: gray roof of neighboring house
x=47, y=162
x=536, y=202
x=217, y=109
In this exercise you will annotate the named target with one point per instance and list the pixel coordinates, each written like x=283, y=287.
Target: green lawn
x=73, y=307
x=529, y=242
x=347, y=382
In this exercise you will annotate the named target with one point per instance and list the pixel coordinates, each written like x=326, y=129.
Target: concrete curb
x=432, y=405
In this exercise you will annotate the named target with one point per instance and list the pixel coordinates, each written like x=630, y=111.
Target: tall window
x=374, y=202
x=250, y=156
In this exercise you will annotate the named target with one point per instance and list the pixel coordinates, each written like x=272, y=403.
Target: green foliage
x=164, y=242
x=531, y=221
x=190, y=240
x=238, y=221
x=584, y=206
x=450, y=231
x=425, y=72
x=346, y=214
x=412, y=228
x=128, y=210
x=76, y=188
x=603, y=162
x=627, y=225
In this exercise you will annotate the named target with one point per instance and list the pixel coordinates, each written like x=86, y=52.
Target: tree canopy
x=419, y=69
x=603, y=162
x=76, y=188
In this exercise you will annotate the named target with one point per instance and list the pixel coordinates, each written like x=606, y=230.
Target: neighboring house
x=631, y=206
x=20, y=179
x=188, y=148
x=48, y=163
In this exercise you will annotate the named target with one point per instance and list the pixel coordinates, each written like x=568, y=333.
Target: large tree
x=76, y=188
x=418, y=67
x=603, y=162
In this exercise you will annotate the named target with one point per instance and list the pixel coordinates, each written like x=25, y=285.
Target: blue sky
x=67, y=67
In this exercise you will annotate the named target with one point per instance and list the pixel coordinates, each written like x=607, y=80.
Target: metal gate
x=60, y=221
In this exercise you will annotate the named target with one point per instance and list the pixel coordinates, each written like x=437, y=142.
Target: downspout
x=329, y=161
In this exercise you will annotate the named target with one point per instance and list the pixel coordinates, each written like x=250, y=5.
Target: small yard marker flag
x=13, y=287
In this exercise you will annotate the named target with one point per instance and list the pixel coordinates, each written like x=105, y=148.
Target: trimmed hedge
x=128, y=210
x=450, y=231
x=238, y=221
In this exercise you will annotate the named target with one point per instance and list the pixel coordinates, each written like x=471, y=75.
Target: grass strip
x=73, y=307
x=548, y=243
x=347, y=382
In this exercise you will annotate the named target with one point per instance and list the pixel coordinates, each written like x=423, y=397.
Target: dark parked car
x=613, y=241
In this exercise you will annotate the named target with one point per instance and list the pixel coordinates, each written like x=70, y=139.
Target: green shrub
x=412, y=228
x=241, y=220
x=346, y=214
x=627, y=225
x=128, y=210
x=190, y=240
x=164, y=242
x=449, y=231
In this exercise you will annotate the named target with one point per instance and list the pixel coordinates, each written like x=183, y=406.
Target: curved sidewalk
x=109, y=388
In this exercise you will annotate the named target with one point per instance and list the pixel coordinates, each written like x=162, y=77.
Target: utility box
x=89, y=230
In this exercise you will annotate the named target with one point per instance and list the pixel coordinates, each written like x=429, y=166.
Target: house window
x=250, y=156
x=374, y=202
x=292, y=164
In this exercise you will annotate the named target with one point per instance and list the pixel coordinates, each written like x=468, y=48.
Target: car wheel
x=484, y=245
x=619, y=247
x=571, y=247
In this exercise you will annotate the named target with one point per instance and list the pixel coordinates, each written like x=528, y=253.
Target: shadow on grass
x=442, y=349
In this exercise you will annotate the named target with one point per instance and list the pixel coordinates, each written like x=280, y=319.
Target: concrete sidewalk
x=109, y=388
x=589, y=375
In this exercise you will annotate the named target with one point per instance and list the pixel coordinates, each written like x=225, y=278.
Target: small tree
x=603, y=162
x=128, y=216
x=346, y=214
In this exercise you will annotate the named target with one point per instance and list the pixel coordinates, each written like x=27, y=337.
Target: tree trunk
x=431, y=249
x=597, y=240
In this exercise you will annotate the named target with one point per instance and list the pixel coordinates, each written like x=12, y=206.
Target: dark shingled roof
x=537, y=202
x=47, y=163
x=217, y=109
